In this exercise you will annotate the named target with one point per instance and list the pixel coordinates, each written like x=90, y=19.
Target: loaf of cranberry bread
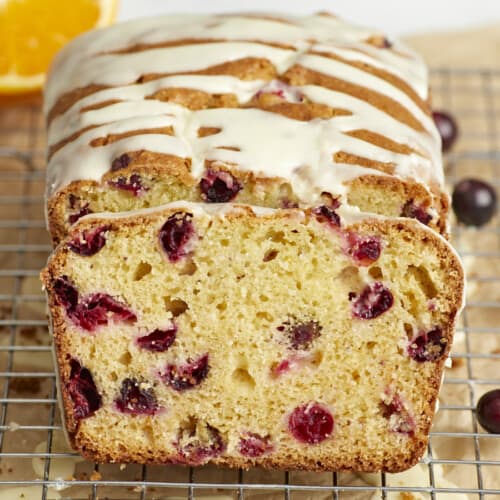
x=271, y=111
x=301, y=339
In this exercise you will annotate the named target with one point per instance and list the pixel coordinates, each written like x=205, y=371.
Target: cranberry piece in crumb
x=400, y=419
x=327, y=214
x=447, y=127
x=82, y=391
x=98, y=309
x=364, y=250
x=374, y=300
x=135, y=400
x=66, y=293
x=219, y=186
x=188, y=375
x=474, y=202
x=120, y=162
x=488, y=411
x=281, y=368
x=84, y=210
x=415, y=212
x=133, y=184
x=158, y=340
x=73, y=201
x=89, y=241
x=197, y=445
x=311, y=423
x=293, y=363
x=427, y=346
x=386, y=43
x=175, y=234
x=300, y=334
x=282, y=90
x=286, y=203
x=254, y=445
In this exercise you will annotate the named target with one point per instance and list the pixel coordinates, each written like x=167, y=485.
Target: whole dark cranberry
x=364, y=250
x=398, y=415
x=447, y=127
x=300, y=334
x=415, y=212
x=254, y=445
x=474, y=202
x=327, y=214
x=120, y=162
x=188, y=375
x=136, y=400
x=82, y=391
x=133, y=184
x=89, y=241
x=374, y=300
x=219, y=186
x=488, y=411
x=175, y=234
x=427, y=346
x=158, y=340
x=311, y=423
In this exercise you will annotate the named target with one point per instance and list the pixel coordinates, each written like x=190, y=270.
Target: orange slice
x=32, y=31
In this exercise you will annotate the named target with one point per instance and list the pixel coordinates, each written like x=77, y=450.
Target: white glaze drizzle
x=296, y=31
x=408, y=67
x=268, y=144
x=122, y=69
x=74, y=119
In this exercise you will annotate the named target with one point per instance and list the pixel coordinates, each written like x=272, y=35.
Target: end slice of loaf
x=242, y=336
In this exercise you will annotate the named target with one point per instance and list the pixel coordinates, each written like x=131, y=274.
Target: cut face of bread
x=274, y=112
x=243, y=336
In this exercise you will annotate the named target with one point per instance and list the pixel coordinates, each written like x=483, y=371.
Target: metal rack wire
x=462, y=460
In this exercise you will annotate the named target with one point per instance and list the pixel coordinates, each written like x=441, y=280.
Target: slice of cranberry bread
x=270, y=112
x=310, y=339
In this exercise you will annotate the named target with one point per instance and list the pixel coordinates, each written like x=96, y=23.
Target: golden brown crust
x=398, y=462
x=67, y=100
x=381, y=141
x=110, y=138
x=384, y=75
x=195, y=99
x=350, y=159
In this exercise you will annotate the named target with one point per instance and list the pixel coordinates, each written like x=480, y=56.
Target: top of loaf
x=104, y=82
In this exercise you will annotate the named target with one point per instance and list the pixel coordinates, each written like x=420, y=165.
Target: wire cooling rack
x=462, y=460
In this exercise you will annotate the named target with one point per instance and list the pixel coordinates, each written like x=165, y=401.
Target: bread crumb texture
x=289, y=339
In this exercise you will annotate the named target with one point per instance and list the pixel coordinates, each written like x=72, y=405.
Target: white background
x=394, y=16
